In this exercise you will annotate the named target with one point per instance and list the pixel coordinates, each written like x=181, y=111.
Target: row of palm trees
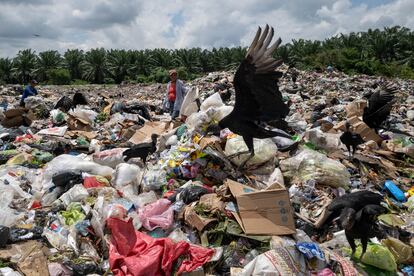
x=373, y=52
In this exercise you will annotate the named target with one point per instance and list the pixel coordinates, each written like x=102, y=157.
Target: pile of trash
x=77, y=199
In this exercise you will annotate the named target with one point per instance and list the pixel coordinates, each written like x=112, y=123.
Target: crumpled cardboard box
x=267, y=212
x=359, y=127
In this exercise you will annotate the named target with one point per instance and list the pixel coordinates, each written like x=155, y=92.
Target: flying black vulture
x=379, y=107
x=361, y=224
x=351, y=140
x=356, y=201
x=142, y=150
x=258, y=99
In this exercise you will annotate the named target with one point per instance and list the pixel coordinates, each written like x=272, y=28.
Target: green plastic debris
x=42, y=156
x=391, y=220
x=376, y=255
x=181, y=130
x=73, y=213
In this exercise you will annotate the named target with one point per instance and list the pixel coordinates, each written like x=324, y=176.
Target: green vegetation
x=388, y=52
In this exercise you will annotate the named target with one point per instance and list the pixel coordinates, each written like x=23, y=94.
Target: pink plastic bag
x=134, y=253
x=157, y=214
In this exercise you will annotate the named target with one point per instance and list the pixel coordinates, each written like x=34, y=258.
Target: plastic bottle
x=394, y=190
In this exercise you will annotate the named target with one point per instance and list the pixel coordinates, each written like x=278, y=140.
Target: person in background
x=29, y=91
x=175, y=95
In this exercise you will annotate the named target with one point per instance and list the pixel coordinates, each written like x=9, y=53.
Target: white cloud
x=142, y=24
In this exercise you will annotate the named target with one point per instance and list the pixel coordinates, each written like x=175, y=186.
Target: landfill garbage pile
x=71, y=203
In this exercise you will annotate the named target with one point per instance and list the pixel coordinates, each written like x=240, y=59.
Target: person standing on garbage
x=175, y=95
x=29, y=91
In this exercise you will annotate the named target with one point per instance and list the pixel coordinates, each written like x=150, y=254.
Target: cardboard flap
x=144, y=134
x=267, y=212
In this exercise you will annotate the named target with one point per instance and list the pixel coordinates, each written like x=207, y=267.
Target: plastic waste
x=110, y=158
x=134, y=253
x=57, y=116
x=67, y=180
x=125, y=174
x=310, y=250
x=394, y=190
x=7, y=271
x=154, y=178
x=75, y=194
x=276, y=262
x=157, y=214
x=323, y=140
x=212, y=101
x=377, y=255
x=264, y=150
x=309, y=164
x=84, y=114
x=401, y=252
x=190, y=194
x=73, y=213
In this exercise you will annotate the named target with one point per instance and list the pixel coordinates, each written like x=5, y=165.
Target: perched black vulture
x=361, y=224
x=142, y=150
x=303, y=96
x=355, y=201
x=64, y=104
x=79, y=99
x=379, y=107
x=258, y=99
x=351, y=140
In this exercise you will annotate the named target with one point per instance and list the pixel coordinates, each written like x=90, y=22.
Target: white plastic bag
x=9, y=216
x=323, y=140
x=69, y=163
x=75, y=194
x=264, y=150
x=189, y=105
x=53, y=131
x=312, y=165
x=84, y=114
x=212, y=101
x=125, y=174
x=110, y=158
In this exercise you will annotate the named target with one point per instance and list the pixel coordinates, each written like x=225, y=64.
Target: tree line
x=388, y=52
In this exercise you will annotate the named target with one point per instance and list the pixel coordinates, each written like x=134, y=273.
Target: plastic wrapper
x=134, y=253
x=73, y=213
x=401, y=252
x=178, y=235
x=57, y=116
x=157, y=214
x=7, y=271
x=154, y=178
x=84, y=114
x=323, y=140
x=310, y=250
x=312, y=165
x=75, y=194
x=264, y=150
x=9, y=217
x=212, y=101
x=173, y=140
x=110, y=158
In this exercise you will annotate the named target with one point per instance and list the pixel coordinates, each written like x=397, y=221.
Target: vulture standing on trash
x=351, y=140
x=258, y=99
x=361, y=224
x=142, y=150
x=379, y=107
x=356, y=201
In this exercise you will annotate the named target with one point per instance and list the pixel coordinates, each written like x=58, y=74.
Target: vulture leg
x=351, y=242
x=364, y=242
x=250, y=146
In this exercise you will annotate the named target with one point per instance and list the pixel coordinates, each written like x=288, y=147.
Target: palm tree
x=187, y=58
x=141, y=63
x=6, y=66
x=119, y=62
x=47, y=61
x=162, y=58
x=95, y=65
x=24, y=65
x=205, y=60
x=73, y=62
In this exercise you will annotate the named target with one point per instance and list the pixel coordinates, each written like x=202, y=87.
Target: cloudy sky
x=139, y=24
